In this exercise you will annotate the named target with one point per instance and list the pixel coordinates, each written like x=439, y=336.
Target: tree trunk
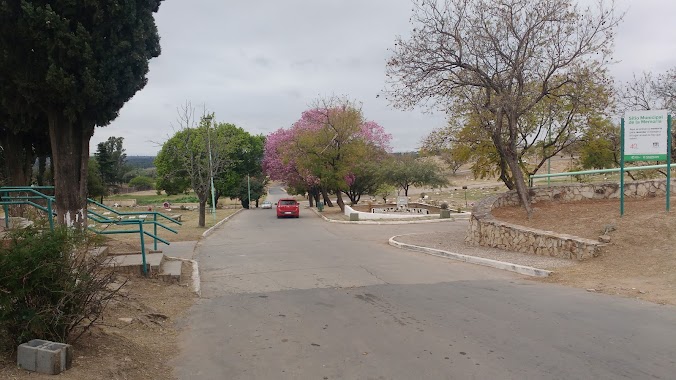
x=70, y=154
x=18, y=158
x=311, y=199
x=203, y=213
x=327, y=200
x=339, y=200
x=520, y=184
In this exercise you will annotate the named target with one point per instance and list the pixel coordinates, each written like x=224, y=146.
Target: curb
x=451, y=219
x=521, y=269
x=194, y=277
x=212, y=228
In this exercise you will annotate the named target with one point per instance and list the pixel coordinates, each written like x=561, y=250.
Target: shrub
x=51, y=287
x=443, y=206
x=142, y=183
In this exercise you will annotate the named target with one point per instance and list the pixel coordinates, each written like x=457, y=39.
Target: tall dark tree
x=77, y=63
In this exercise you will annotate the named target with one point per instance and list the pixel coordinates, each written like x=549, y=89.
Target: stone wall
x=485, y=230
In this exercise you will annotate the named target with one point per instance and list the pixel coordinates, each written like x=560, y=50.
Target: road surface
x=306, y=299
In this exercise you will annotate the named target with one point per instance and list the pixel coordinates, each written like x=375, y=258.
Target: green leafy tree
x=199, y=149
x=112, y=161
x=246, y=160
x=77, y=63
x=600, y=145
x=255, y=186
x=142, y=183
x=406, y=170
x=95, y=186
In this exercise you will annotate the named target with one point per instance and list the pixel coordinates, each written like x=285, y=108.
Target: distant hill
x=141, y=162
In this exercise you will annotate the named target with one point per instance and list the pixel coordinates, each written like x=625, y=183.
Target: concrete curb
x=194, y=277
x=211, y=230
x=522, y=269
x=451, y=219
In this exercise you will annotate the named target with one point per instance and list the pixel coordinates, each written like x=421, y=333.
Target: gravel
x=456, y=244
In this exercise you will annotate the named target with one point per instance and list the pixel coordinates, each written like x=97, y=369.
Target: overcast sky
x=260, y=64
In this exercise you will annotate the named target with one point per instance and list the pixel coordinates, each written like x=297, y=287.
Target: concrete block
x=46, y=357
x=354, y=216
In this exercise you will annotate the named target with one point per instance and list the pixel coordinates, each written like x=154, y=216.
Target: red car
x=288, y=207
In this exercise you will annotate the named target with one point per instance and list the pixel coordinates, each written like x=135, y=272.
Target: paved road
x=306, y=299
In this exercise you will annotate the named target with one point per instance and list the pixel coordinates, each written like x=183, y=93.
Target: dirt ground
x=119, y=350
x=640, y=260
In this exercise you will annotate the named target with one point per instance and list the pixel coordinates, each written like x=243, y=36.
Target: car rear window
x=287, y=202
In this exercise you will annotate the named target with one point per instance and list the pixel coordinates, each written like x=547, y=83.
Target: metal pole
x=248, y=188
x=622, y=168
x=549, y=164
x=211, y=171
x=668, y=161
x=143, y=248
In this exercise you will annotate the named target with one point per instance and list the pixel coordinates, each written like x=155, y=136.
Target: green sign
x=645, y=136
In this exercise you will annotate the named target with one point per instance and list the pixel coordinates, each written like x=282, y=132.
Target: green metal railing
x=599, y=171
x=35, y=195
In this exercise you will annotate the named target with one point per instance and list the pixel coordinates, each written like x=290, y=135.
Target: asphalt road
x=306, y=299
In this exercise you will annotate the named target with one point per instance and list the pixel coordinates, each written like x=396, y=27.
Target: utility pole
x=211, y=168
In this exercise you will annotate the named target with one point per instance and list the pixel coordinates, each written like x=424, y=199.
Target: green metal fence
x=599, y=171
x=35, y=196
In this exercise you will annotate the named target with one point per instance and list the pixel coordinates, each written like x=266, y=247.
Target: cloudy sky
x=259, y=64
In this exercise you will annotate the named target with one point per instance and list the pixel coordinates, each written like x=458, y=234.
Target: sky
x=260, y=64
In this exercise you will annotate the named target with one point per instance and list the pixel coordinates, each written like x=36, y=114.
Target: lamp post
x=211, y=168
x=248, y=188
x=465, y=188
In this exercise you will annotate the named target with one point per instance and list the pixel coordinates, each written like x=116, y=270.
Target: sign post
x=645, y=136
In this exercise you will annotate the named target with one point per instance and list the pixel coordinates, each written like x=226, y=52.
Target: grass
x=154, y=199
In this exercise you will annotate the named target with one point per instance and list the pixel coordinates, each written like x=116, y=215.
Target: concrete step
x=170, y=270
x=133, y=263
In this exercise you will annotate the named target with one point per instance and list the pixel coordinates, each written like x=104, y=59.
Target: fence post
x=143, y=248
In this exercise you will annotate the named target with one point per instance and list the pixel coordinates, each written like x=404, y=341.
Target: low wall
x=485, y=230
x=120, y=203
x=375, y=216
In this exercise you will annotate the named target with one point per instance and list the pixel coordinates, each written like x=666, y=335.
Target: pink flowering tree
x=331, y=148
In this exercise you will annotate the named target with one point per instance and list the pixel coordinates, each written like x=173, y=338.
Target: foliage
x=515, y=68
x=245, y=161
x=363, y=179
x=141, y=162
x=95, y=187
x=112, y=160
x=406, y=171
x=600, y=145
x=197, y=152
x=256, y=185
x=324, y=148
x=142, y=183
x=76, y=64
x=384, y=191
x=50, y=287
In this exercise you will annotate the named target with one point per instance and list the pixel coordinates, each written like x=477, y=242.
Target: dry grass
x=639, y=262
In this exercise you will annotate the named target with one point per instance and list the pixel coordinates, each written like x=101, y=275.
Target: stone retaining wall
x=485, y=230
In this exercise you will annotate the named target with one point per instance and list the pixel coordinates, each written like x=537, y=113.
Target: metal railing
x=598, y=171
x=7, y=200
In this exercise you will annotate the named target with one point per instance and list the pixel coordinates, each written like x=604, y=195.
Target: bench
x=176, y=217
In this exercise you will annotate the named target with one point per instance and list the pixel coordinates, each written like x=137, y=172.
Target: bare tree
x=648, y=92
x=200, y=149
x=497, y=62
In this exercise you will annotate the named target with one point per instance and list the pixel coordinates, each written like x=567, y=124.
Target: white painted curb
x=211, y=230
x=462, y=216
x=522, y=269
x=195, y=275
